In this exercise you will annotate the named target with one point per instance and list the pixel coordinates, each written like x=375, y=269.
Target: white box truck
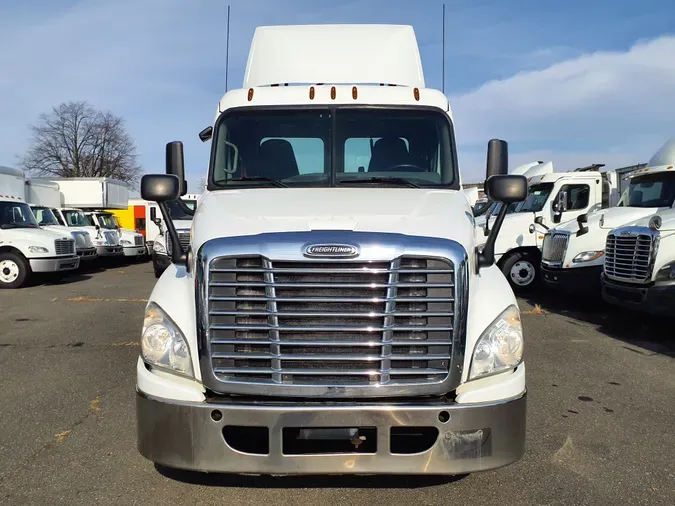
x=94, y=196
x=106, y=242
x=331, y=312
x=43, y=196
x=25, y=248
x=573, y=252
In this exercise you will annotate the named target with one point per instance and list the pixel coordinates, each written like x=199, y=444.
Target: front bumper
x=656, y=299
x=475, y=437
x=54, y=264
x=572, y=280
x=134, y=251
x=109, y=251
x=86, y=253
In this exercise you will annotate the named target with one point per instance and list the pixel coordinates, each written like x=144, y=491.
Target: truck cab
x=133, y=243
x=574, y=252
x=106, y=242
x=25, y=248
x=553, y=198
x=331, y=312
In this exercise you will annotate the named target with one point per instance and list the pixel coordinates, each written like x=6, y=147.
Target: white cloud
x=605, y=107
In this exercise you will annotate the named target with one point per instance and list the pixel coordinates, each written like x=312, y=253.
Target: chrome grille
x=138, y=240
x=64, y=246
x=331, y=323
x=554, y=248
x=629, y=256
x=183, y=237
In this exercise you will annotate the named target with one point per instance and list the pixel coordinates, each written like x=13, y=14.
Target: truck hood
x=25, y=237
x=667, y=220
x=431, y=213
x=610, y=218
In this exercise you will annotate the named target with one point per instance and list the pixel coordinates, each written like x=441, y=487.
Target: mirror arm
x=486, y=258
x=178, y=256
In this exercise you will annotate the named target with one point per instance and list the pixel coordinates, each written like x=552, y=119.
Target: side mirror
x=540, y=221
x=497, y=159
x=175, y=165
x=163, y=188
x=154, y=218
x=506, y=189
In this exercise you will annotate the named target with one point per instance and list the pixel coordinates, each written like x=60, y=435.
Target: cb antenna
x=227, y=47
x=443, y=63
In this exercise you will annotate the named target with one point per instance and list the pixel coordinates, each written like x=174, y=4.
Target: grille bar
x=554, y=248
x=629, y=257
x=64, y=246
x=330, y=323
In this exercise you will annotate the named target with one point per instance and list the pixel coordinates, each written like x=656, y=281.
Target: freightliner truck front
x=331, y=312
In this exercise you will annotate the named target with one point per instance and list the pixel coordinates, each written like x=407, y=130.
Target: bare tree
x=201, y=185
x=76, y=140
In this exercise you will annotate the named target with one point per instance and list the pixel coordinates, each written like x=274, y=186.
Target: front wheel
x=522, y=271
x=14, y=270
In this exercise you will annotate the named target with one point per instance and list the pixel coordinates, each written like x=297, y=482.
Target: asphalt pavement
x=601, y=411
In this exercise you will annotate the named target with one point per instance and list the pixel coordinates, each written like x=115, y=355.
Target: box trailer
x=93, y=193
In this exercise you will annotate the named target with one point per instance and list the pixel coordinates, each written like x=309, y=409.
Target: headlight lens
x=587, y=256
x=163, y=344
x=124, y=241
x=158, y=247
x=37, y=249
x=500, y=347
x=666, y=273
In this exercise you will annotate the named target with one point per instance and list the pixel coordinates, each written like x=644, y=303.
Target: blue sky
x=576, y=82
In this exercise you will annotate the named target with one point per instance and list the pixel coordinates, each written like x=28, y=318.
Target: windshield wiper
x=391, y=180
x=261, y=179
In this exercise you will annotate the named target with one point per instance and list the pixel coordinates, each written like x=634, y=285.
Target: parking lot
x=600, y=410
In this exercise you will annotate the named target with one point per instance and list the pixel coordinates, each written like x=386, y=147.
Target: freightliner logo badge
x=331, y=250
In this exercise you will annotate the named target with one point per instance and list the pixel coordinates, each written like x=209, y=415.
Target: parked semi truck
x=553, y=198
x=331, y=312
x=42, y=196
x=574, y=252
x=25, y=248
x=181, y=216
x=639, y=267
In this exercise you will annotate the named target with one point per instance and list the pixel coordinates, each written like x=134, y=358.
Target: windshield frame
x=85, y=221
x=657, y=177
x=49, y=211
x=552, y=185
x=101, y=218
x=333, y=182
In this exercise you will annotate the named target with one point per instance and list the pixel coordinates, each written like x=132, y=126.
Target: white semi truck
x=639, y=267
x=181, y=215
x=553, y=198
x=573, y=252
x=94, y=195
x=331, y=312
x=25, y=248
x=43, y=196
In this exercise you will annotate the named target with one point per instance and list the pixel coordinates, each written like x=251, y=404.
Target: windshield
x=312, y=147
x=652, y=190
x=107, y=221
x=16, y=215
x=75, y=218
x=537, y=195
x=44, y=216
x=177, y=212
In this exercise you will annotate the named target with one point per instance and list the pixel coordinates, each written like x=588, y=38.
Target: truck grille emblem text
x=331, y=250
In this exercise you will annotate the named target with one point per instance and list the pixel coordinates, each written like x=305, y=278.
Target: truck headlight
x=158, y=247
x=37, y=249
x=500, y=347
x=666, y=273
x=163, y=344
x=124, y=242
x=587, y=256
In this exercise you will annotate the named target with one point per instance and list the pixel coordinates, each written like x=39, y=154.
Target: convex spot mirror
x=506, y=188
x=160, y=187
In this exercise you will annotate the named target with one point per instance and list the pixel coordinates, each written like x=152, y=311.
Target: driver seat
x=276, y=160
x=388, y=152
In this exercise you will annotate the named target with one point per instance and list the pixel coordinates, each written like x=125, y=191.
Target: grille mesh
x=331, y=323
x=628, y=257
x=64, y=246
x=138, y=240
x=554, y=247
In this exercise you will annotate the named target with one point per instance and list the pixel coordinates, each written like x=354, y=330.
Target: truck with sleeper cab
x=331, y=312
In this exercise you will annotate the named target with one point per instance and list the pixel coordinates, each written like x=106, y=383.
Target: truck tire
x=521, y=269
x=14, y=270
